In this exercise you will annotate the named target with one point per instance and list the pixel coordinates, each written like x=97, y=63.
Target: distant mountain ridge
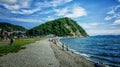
x=60, y=27
x=107, y=36
x=8, y=26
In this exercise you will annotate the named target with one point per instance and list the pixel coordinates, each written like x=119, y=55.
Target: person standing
x=11, y=41
x=67, y=48
x=63, y=46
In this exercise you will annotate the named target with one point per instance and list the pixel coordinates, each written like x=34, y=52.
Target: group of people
x=7, y=35
x=54, y=41
x=65, y=47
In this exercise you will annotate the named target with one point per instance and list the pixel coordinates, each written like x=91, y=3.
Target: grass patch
x=18, y=45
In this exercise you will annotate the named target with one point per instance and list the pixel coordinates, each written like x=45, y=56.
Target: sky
x=97, y=17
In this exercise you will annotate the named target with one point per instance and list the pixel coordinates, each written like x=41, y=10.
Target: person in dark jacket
x=11, y=41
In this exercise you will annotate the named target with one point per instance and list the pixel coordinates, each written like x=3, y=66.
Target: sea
x=103, y=49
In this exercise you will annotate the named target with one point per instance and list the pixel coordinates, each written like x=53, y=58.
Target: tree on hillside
x=59, y=27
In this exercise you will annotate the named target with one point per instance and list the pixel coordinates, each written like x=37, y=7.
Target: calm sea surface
x=103, y=49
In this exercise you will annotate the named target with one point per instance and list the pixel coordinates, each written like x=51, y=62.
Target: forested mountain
x=8, y=26
x=60, y=27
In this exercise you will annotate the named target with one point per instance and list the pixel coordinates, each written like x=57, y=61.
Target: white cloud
x=68, y=0
x=48, y=18
x=118, y=0
x=89, y=25
x=62, y=11
x=52, y=3
x=25, y=7
x=95, y=24
x=56, y=2
x=31, y=20
x=8, y=1
x=15, y=4
x=26, y=11
x=97, y=28
x=76, y=12
x=46, y=12
x=59, y=2
x=85, y=25
x=11, y=7
x=25, y=3
x=103, y=32
x=26, y=20
x=113, y=13
x=108, y=18
x=116, y=22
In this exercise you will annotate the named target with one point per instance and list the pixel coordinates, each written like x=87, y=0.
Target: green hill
x=60, y=27
x=8, y=26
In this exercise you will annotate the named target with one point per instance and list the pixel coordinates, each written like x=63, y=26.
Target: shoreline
x=76, y=59
x=75, y=52
x=79, y=54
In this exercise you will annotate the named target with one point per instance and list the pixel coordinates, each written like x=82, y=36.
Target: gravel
x=38, y=54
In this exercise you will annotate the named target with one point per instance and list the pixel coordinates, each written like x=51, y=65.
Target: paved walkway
x=37, y=54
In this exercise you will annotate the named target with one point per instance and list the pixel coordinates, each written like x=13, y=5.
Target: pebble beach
x=44, y=54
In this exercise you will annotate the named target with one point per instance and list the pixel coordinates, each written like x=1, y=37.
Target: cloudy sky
x=97, y=17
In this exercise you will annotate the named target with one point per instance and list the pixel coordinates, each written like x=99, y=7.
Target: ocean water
x=104, y=49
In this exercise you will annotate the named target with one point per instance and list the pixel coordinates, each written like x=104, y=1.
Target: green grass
x=18, y=45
